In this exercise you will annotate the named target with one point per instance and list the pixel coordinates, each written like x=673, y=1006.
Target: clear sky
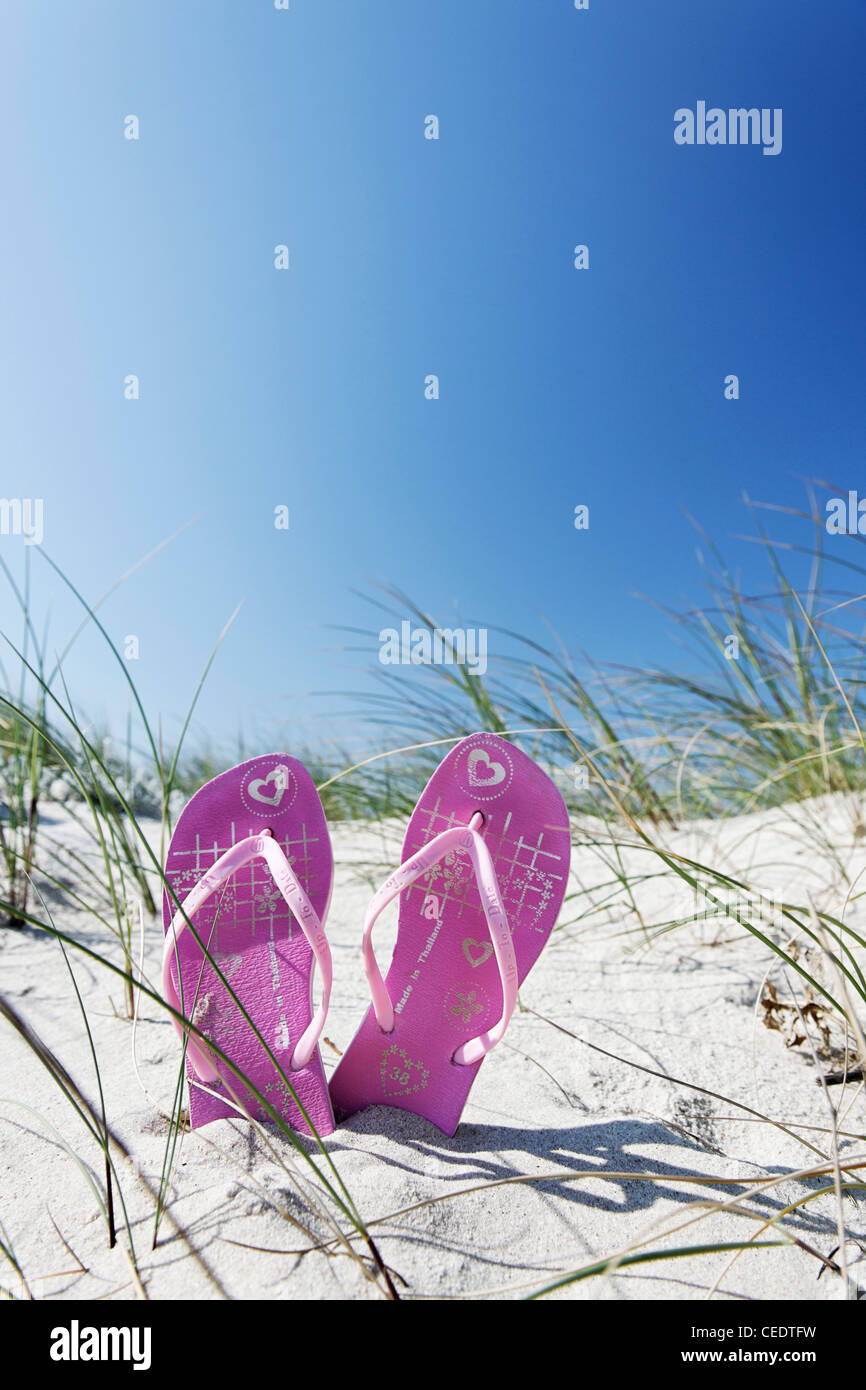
x=410, y=257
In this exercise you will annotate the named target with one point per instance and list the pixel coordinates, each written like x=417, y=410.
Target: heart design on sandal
x=483, y=771
x=279, y=777
x=400, y=1074
x=477, y=952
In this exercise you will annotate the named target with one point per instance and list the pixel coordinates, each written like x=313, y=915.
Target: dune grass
x=765, y=710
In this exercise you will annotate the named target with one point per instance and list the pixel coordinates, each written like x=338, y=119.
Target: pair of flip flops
x=482, y=878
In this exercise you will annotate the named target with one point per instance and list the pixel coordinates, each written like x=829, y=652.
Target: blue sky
x=409, y=257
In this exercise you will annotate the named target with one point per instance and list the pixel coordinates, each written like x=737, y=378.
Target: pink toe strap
x=302, y=910
x=459, y=837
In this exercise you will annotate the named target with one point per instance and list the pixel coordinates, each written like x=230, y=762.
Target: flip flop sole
x=253, y=937
x=443, y=980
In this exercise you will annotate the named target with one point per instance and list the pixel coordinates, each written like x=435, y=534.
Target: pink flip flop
x=483, y=875
x=250, y=861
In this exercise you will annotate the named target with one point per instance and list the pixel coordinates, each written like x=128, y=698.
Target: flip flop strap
x=457, y=837
x=302, y=910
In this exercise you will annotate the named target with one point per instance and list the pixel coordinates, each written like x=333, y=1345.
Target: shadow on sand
x=612, y=1154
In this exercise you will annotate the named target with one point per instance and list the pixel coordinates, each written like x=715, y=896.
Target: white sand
x=543, y=1103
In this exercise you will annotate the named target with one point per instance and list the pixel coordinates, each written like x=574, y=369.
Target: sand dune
x=545, y=1104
